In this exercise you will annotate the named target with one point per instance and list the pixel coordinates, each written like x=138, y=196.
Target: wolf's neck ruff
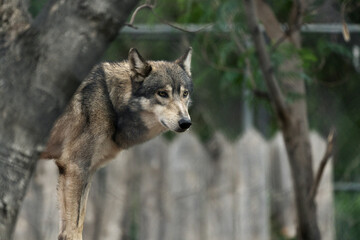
x=117, y=106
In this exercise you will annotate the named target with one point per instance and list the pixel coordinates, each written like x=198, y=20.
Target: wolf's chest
x=133, y=127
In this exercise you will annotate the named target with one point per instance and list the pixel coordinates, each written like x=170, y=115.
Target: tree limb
x=267, y=17
x=292, y=115
x=265, y=63
x=327, y=155
x=287, y=34
x=272, y=26
x=151, y=6
x=132, y=19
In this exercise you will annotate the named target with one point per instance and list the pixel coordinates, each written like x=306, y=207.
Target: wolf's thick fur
x=117, y=106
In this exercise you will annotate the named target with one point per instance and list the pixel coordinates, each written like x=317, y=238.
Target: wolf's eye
x=163, y=94
x=185, y=94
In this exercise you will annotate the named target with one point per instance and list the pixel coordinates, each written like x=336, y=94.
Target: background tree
x=292, y=116
x=42, y=60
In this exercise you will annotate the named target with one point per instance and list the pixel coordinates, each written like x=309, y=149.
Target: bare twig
x=328, y=153
x=132, y=19
x=177, y=26
x=151, y=6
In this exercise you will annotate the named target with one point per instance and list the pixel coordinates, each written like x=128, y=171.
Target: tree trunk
x=42, y=61
x=292, y=115
x=297, y=142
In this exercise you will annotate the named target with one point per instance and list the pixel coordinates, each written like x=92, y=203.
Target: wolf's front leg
x=73, y=190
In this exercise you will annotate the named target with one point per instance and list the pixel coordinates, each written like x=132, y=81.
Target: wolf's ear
x=185, y=61
x=140, y=69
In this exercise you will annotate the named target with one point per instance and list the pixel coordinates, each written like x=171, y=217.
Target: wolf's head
x=163, y=90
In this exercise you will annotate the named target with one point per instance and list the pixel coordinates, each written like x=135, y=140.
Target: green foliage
x=179, y=11
x=35, y=6
x=326, y=47
x=347, y=206
x=332, y=101
x=282, y=9
x=352, y=9
x=308, y=58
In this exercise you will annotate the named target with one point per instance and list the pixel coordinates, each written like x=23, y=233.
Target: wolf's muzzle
x=184, y=123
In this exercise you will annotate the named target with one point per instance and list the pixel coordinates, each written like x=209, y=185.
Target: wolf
x=116, y=107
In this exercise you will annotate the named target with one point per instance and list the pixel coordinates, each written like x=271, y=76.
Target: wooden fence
x=182, y=190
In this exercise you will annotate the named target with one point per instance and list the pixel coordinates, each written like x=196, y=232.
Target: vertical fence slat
x=220, y=191
x=251, y=159
x=106, y=201
x=151, y=159
x=185, y=199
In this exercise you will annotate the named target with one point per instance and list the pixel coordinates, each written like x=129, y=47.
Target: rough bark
x=42, y=61
x=292, y=115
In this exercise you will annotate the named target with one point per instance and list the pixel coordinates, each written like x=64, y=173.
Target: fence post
x=151, y=160
x=252, y=220
x=220, y=212
x=186, y=179
x=106, y=203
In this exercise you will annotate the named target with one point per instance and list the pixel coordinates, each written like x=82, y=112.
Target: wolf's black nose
x=184, y=123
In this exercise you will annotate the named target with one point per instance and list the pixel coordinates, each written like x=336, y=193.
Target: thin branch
x=295, y=24
x=275, y=93
x=287, y=34
x=132, y=19
x=327, y=155
x=297, y=14
x=241, y=49
x=151, y=6
x=177, y=26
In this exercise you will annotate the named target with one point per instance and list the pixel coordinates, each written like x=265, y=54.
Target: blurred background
x=228, y=178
